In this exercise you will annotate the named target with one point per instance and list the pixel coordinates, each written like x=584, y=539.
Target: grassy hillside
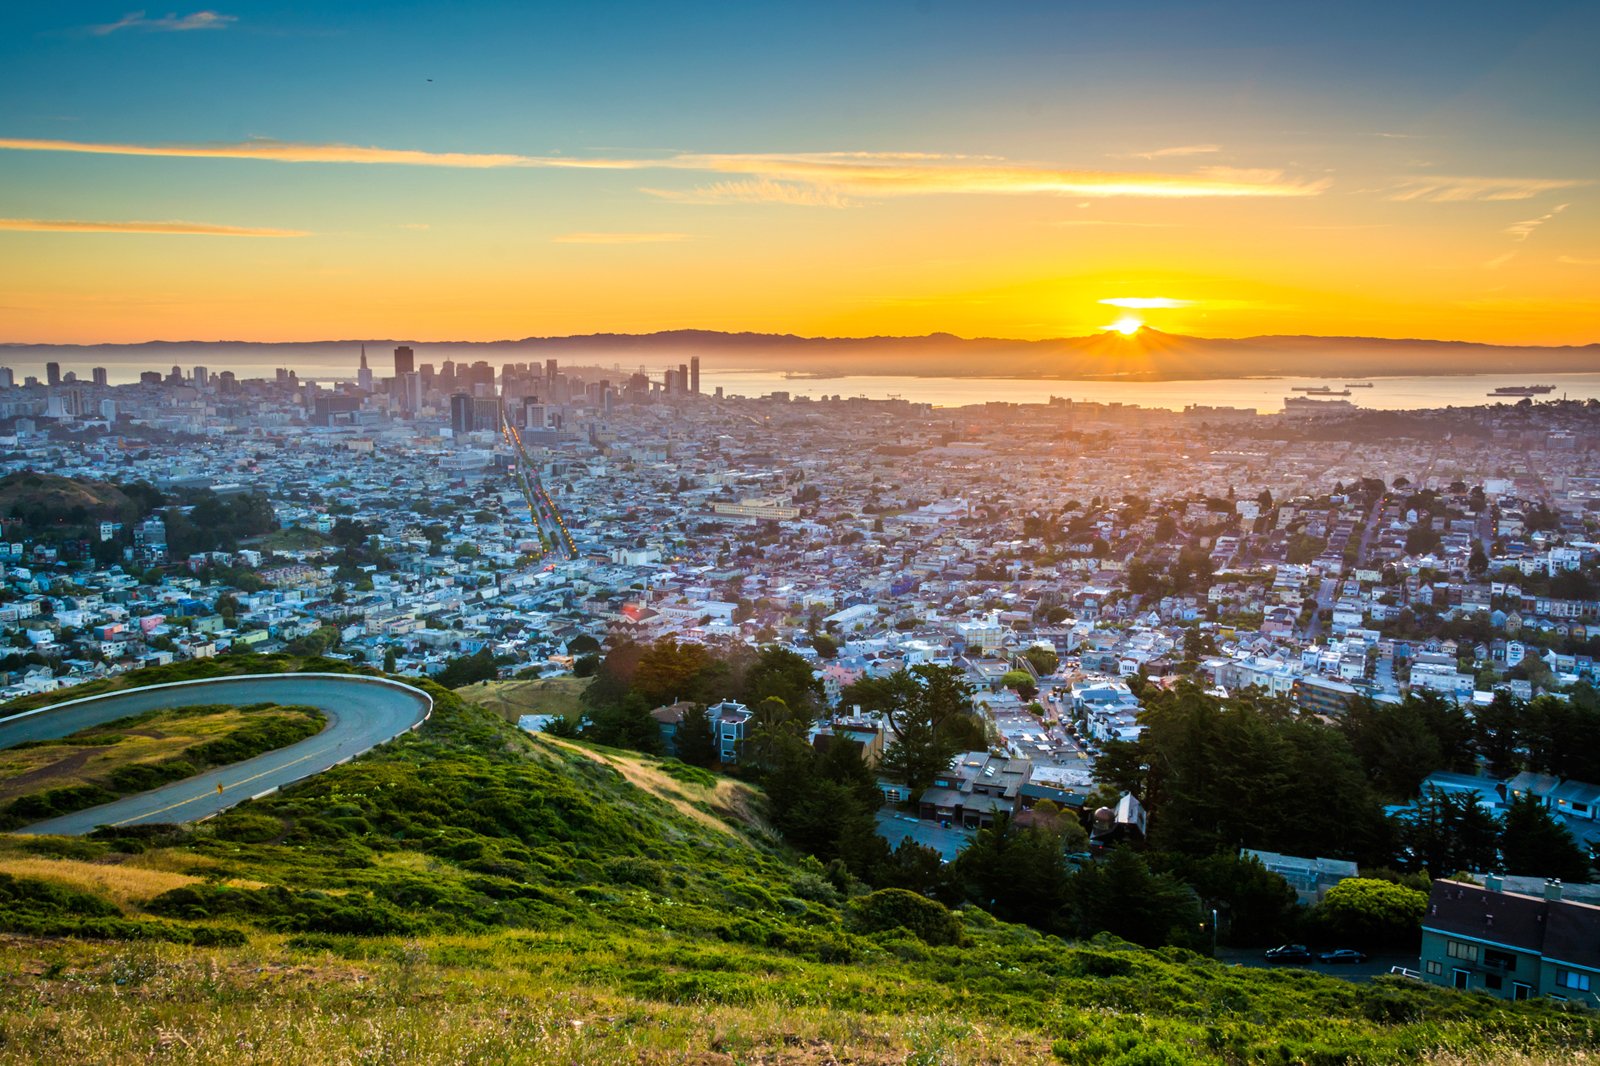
x=470, y=894
x=44, y=503
x=512, y=699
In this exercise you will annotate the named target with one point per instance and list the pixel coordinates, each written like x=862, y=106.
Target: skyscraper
x=694, y=374
x=200, y=377
x=364, y=375
x=99, y=375
x=461, y=421
x=52, y=374
x=404, y=361
x=8, y=379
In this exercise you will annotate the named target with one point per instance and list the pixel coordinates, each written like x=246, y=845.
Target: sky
x=1003, y=168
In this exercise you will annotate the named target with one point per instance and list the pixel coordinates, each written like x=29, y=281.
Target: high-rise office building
x=409, y=388
x=549, y=377
x=461, y=420
x=99, y=376
x=8, y=379
x=52, y=374
x=200, y=377
x=404, y=361
x=364, y=374
x=694, y=374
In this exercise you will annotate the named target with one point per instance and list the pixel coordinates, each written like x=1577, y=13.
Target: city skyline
x=478, y=173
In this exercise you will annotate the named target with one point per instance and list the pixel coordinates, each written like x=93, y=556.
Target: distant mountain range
x=1148, y=355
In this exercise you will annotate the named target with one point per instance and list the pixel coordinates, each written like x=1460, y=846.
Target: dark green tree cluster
x=929, y=711
x=216, y=523
x=1216, y=776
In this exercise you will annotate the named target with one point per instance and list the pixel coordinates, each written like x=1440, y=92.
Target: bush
x=889, y=909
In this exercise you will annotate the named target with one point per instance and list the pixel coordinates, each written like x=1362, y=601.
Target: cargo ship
x=1320, y=390
x=1523, y=390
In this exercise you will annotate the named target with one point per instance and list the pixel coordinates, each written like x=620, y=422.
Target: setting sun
x=1127, y=325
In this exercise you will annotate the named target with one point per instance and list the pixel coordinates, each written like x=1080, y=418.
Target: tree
x=696, y=739
x=1444, y=833
x=1021, y=682
x=669, y=671
x=1121, y=895
x=1533, y=844
x=780, y=673
x=389, y=660
x=925, y=708
x=1044, y=660
x=776, y=737
x=1371, y=913
x=1254, y=904
x=1017, y=874
x=468, y=669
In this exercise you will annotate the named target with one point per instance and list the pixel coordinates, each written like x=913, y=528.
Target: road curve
x=362, y=713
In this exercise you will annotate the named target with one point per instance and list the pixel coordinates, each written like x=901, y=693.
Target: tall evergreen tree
x=1534, y=844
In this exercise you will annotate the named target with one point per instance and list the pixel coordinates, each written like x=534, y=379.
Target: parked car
x=1343, y=955
x=1289, y=953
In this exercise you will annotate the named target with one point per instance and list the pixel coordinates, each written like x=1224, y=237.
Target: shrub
x=894, y=908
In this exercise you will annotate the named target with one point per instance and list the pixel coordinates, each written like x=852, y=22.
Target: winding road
x=362, y=713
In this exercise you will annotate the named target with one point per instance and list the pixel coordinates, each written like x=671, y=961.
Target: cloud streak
x=815, y=179
x=1440, y=190
x=200, y=20
x=753, y=191
x=619, y=238
x=1521, y=231
x=173, y=228
x=1172, y=153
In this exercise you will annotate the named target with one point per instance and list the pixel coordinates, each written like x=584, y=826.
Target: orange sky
x=180, y=178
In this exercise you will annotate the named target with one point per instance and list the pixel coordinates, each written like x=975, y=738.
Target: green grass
x=42, y=779
x=293, y=538
x=470, y=894
x=512, y=699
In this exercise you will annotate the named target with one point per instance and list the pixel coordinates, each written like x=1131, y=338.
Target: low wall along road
x=362, y=713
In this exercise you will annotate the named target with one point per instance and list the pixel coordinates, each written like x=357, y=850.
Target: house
x=1511, y=945
x=668, y=719
x=1310, y=878
x=975, y=789
x=731, y=720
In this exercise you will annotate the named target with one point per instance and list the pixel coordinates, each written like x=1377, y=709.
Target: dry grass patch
x=730, y=797
x=126, y=886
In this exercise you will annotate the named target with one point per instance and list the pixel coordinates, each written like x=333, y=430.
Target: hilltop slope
x=469, y=893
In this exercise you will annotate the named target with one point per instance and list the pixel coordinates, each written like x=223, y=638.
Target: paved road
x=1376, y=966
x=362, y=713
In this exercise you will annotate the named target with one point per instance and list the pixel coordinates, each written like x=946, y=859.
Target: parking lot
x=895, y=826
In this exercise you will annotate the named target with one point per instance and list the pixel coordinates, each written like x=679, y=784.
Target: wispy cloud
x=413, y=225
x=173, y=23
x=1579, y=260
x=753, y=191
x=1522, y=230
x=1438, y=189
x=1145, y=301
x=1172, y=153
x=1498, y=261
x=619, y=238
x=277, y=151
x=832, y=174
x=191, y=229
